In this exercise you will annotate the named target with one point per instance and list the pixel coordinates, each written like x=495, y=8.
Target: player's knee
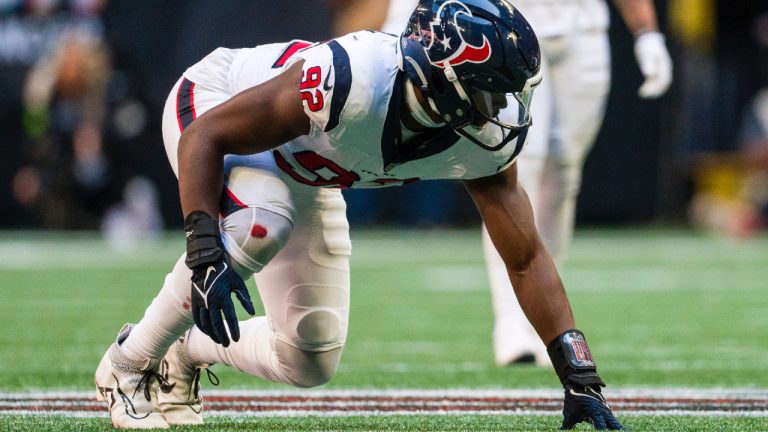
x=303, y=368
x=322, y=331
x=253, y=236
x=317, y=317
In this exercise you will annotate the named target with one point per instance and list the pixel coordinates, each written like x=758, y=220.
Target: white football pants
x=567, y=111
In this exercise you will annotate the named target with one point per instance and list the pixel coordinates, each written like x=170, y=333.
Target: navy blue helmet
x=460, y=51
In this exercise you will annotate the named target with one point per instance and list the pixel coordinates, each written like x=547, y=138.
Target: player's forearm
x=638, y=15
x=201, y=173
x=508, y=216
x=542, y=297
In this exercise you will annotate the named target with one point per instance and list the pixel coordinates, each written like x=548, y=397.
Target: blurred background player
x=66, y=179
x=77, y=167
x=731, y=189
x=568, y=109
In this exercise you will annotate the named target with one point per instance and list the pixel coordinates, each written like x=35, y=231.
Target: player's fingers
x=651, y=88
x=666, y=68
x=568, y=422
x=231, y=317
x=245, y=299
x=217, y=326
x=205, y=324
x=598, y=422
x=613, y=424
x=657, y=80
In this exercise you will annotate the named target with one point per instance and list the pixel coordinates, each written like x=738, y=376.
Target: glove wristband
x=203, y=241
x=572, y=359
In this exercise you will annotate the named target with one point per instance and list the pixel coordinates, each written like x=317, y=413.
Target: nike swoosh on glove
x=586, y=404
x=655, y=64
x=212, y=289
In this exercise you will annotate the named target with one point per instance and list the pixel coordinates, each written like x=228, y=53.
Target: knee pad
x=253, y=236
x=316, y=318
x=319, y=329
x=303, y=368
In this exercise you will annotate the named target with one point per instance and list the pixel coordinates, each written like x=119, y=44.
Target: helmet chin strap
x=417, y=110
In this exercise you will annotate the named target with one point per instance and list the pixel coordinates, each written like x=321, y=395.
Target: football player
x=569, y=109
x=263, y=139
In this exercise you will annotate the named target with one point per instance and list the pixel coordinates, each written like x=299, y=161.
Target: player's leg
x=127, y=374
x=581, y=82
x=514, y=339
x=256, y=222
x=305, y=291
x=579, y=77
x=169, y=314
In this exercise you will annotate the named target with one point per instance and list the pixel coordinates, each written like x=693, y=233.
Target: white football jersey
x=560, y=17
x=547, y=17
x=352, y=92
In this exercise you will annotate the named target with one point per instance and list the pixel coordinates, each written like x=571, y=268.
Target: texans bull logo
x=444, y=31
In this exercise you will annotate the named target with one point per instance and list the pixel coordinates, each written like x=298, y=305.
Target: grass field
x=662, y=310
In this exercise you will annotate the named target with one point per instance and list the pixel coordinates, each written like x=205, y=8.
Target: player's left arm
x=507, y=213
x=253, y=121
x=650, y=48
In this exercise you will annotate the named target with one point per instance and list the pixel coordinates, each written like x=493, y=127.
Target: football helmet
x=461, y=52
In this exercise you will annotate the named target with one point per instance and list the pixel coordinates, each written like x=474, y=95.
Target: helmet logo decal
x=468, y=53
x=445, y=30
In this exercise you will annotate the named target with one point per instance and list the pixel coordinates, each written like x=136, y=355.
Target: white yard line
x=711, y=402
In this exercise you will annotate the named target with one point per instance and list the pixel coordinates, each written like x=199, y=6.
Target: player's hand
x=586, y=404
x=212, y=289
x=655, y=64
x=213, y=280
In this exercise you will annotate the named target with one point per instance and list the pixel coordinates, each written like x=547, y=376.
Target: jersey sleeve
x=325, y=85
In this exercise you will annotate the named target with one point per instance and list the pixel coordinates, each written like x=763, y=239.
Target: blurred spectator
x=725, y=67
x=28, y=29
x=67, y=177
x=732, y=188
x=77, y=115
x=754, y=149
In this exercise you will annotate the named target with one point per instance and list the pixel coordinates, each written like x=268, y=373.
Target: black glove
x=213, y=280
x=576, y=369
x=586, y=403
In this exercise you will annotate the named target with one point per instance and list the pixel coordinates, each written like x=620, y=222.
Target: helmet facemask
x=481, y=107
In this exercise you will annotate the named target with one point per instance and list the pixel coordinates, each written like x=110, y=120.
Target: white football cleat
x=518, y=344
x=179, y=396
x=509, y=355
x=129, y=387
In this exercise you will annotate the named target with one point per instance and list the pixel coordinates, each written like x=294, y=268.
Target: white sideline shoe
x=179, y=396
x=129, y=387
x=511, y=356
x=517, y=344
